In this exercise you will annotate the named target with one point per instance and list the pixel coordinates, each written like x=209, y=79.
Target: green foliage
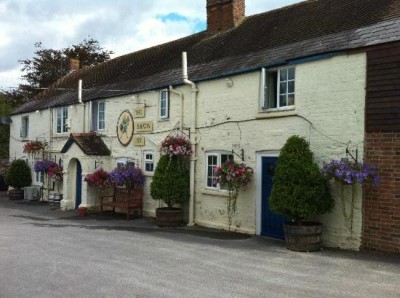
x=49, y=65
x=6, y=108
x=18, y=174
x=299, y=190
x=171, y=180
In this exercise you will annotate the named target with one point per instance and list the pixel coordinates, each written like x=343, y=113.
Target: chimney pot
x=224, y=14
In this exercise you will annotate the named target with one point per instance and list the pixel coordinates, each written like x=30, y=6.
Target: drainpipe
x=192, y=136
x=171, y=89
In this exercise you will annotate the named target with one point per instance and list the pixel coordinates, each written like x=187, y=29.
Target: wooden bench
x=124, y=198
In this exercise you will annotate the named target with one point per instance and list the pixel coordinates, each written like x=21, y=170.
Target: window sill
x=61, y=135
x=276, y=113
x=219, y=193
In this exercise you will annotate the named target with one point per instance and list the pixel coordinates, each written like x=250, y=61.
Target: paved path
x=50, y=253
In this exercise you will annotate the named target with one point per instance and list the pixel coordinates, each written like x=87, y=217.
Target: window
x=24, y=127
x=39, y=178
x=278, y=88
x=164, y=104
x=98, y=116
x=125, y=162
x=61, y=121
x=215, y=159
x=148, y=158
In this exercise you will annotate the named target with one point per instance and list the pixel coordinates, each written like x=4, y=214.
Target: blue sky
x=122, y=26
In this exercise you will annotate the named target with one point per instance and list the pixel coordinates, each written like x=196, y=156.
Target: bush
x=171, y=180
x=18, y=174
x=299, y=191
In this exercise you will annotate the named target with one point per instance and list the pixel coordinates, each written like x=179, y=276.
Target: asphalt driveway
x=45, y=252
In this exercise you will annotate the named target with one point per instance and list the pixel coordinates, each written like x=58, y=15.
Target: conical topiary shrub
x=300, y=192
x=171, y=184
x=18, y=174
x=171, y=180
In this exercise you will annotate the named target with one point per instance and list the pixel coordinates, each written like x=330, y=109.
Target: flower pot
x=169, y=217
x=82, y=211
x=16, y=194
x=303, y=237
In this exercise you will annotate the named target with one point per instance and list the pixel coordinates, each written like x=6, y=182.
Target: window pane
x=272, y=81
x=283, y=74
x=95, y=115
x=282, y=101
x=101, y=117
x=291, y=73
x=59, y=124
x=225, y=157
x=291, y=99
x=283, y=88
x=64, y=121
x=291, y=87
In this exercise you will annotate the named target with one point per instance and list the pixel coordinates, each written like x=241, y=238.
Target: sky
x=122, y=26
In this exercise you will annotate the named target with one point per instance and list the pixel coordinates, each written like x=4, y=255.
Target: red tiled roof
x=89, y=143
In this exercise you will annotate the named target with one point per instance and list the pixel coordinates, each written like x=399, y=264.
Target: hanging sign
x=143, y=126
x=138, y=141
x=139, y=112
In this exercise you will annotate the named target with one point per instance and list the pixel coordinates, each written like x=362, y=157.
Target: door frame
x=259, y=156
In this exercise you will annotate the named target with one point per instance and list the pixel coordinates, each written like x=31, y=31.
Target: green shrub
x=299, y=190
x=171, y=180
x=18, y=175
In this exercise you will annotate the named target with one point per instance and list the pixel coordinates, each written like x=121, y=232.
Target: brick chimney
x=73, y=65
x=224, y=14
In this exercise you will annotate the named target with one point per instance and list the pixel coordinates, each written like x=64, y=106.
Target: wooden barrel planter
x=166, y=217
x=16, y=194
x=305, y=237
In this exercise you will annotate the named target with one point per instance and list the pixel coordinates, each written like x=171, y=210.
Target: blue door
x=78, y=194
x=271, y=223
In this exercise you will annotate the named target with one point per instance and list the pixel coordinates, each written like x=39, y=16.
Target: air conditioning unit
x=31, y=193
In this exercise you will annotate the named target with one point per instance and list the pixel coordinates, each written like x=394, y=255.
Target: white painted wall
x=330, y=94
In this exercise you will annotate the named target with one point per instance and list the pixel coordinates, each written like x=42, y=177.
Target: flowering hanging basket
x=54, y=170
x=176, y=146
x=99, y=180
x=127, y=176
x=32, y=147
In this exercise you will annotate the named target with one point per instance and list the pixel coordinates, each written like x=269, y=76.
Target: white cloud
x=122, y=26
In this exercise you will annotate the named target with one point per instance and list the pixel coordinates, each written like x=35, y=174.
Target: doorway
x=271, y=223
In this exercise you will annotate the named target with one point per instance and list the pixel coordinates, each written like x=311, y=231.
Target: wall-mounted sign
x=125, y=128
x=139, y=112
x=138, y=141
x=143, y=126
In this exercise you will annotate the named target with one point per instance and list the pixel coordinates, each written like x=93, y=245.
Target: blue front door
x=271, y=223
x=78, y=195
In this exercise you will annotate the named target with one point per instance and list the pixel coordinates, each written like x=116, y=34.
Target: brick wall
x=382, y=204
x=224, y=14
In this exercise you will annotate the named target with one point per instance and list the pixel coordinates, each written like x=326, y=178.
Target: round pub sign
x=125, y=128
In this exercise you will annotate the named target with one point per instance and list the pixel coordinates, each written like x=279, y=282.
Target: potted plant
x=18, y=175
x=300, y=191
x=233, y=176
x=127, y=176
x=171, y=180
x=99, y=180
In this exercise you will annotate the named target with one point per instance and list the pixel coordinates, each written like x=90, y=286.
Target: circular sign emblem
x=125, y=128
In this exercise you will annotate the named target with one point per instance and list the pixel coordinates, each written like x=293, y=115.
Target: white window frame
x=100, y=124
x=62, y=116
x=39, y=178
x=218, y=155
x=148, y=161
x=163, y=110
x=264, y=89
x=24, y=131
x=123, y=161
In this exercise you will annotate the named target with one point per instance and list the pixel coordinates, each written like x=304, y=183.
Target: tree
x=6, y=108
x=48, y=65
